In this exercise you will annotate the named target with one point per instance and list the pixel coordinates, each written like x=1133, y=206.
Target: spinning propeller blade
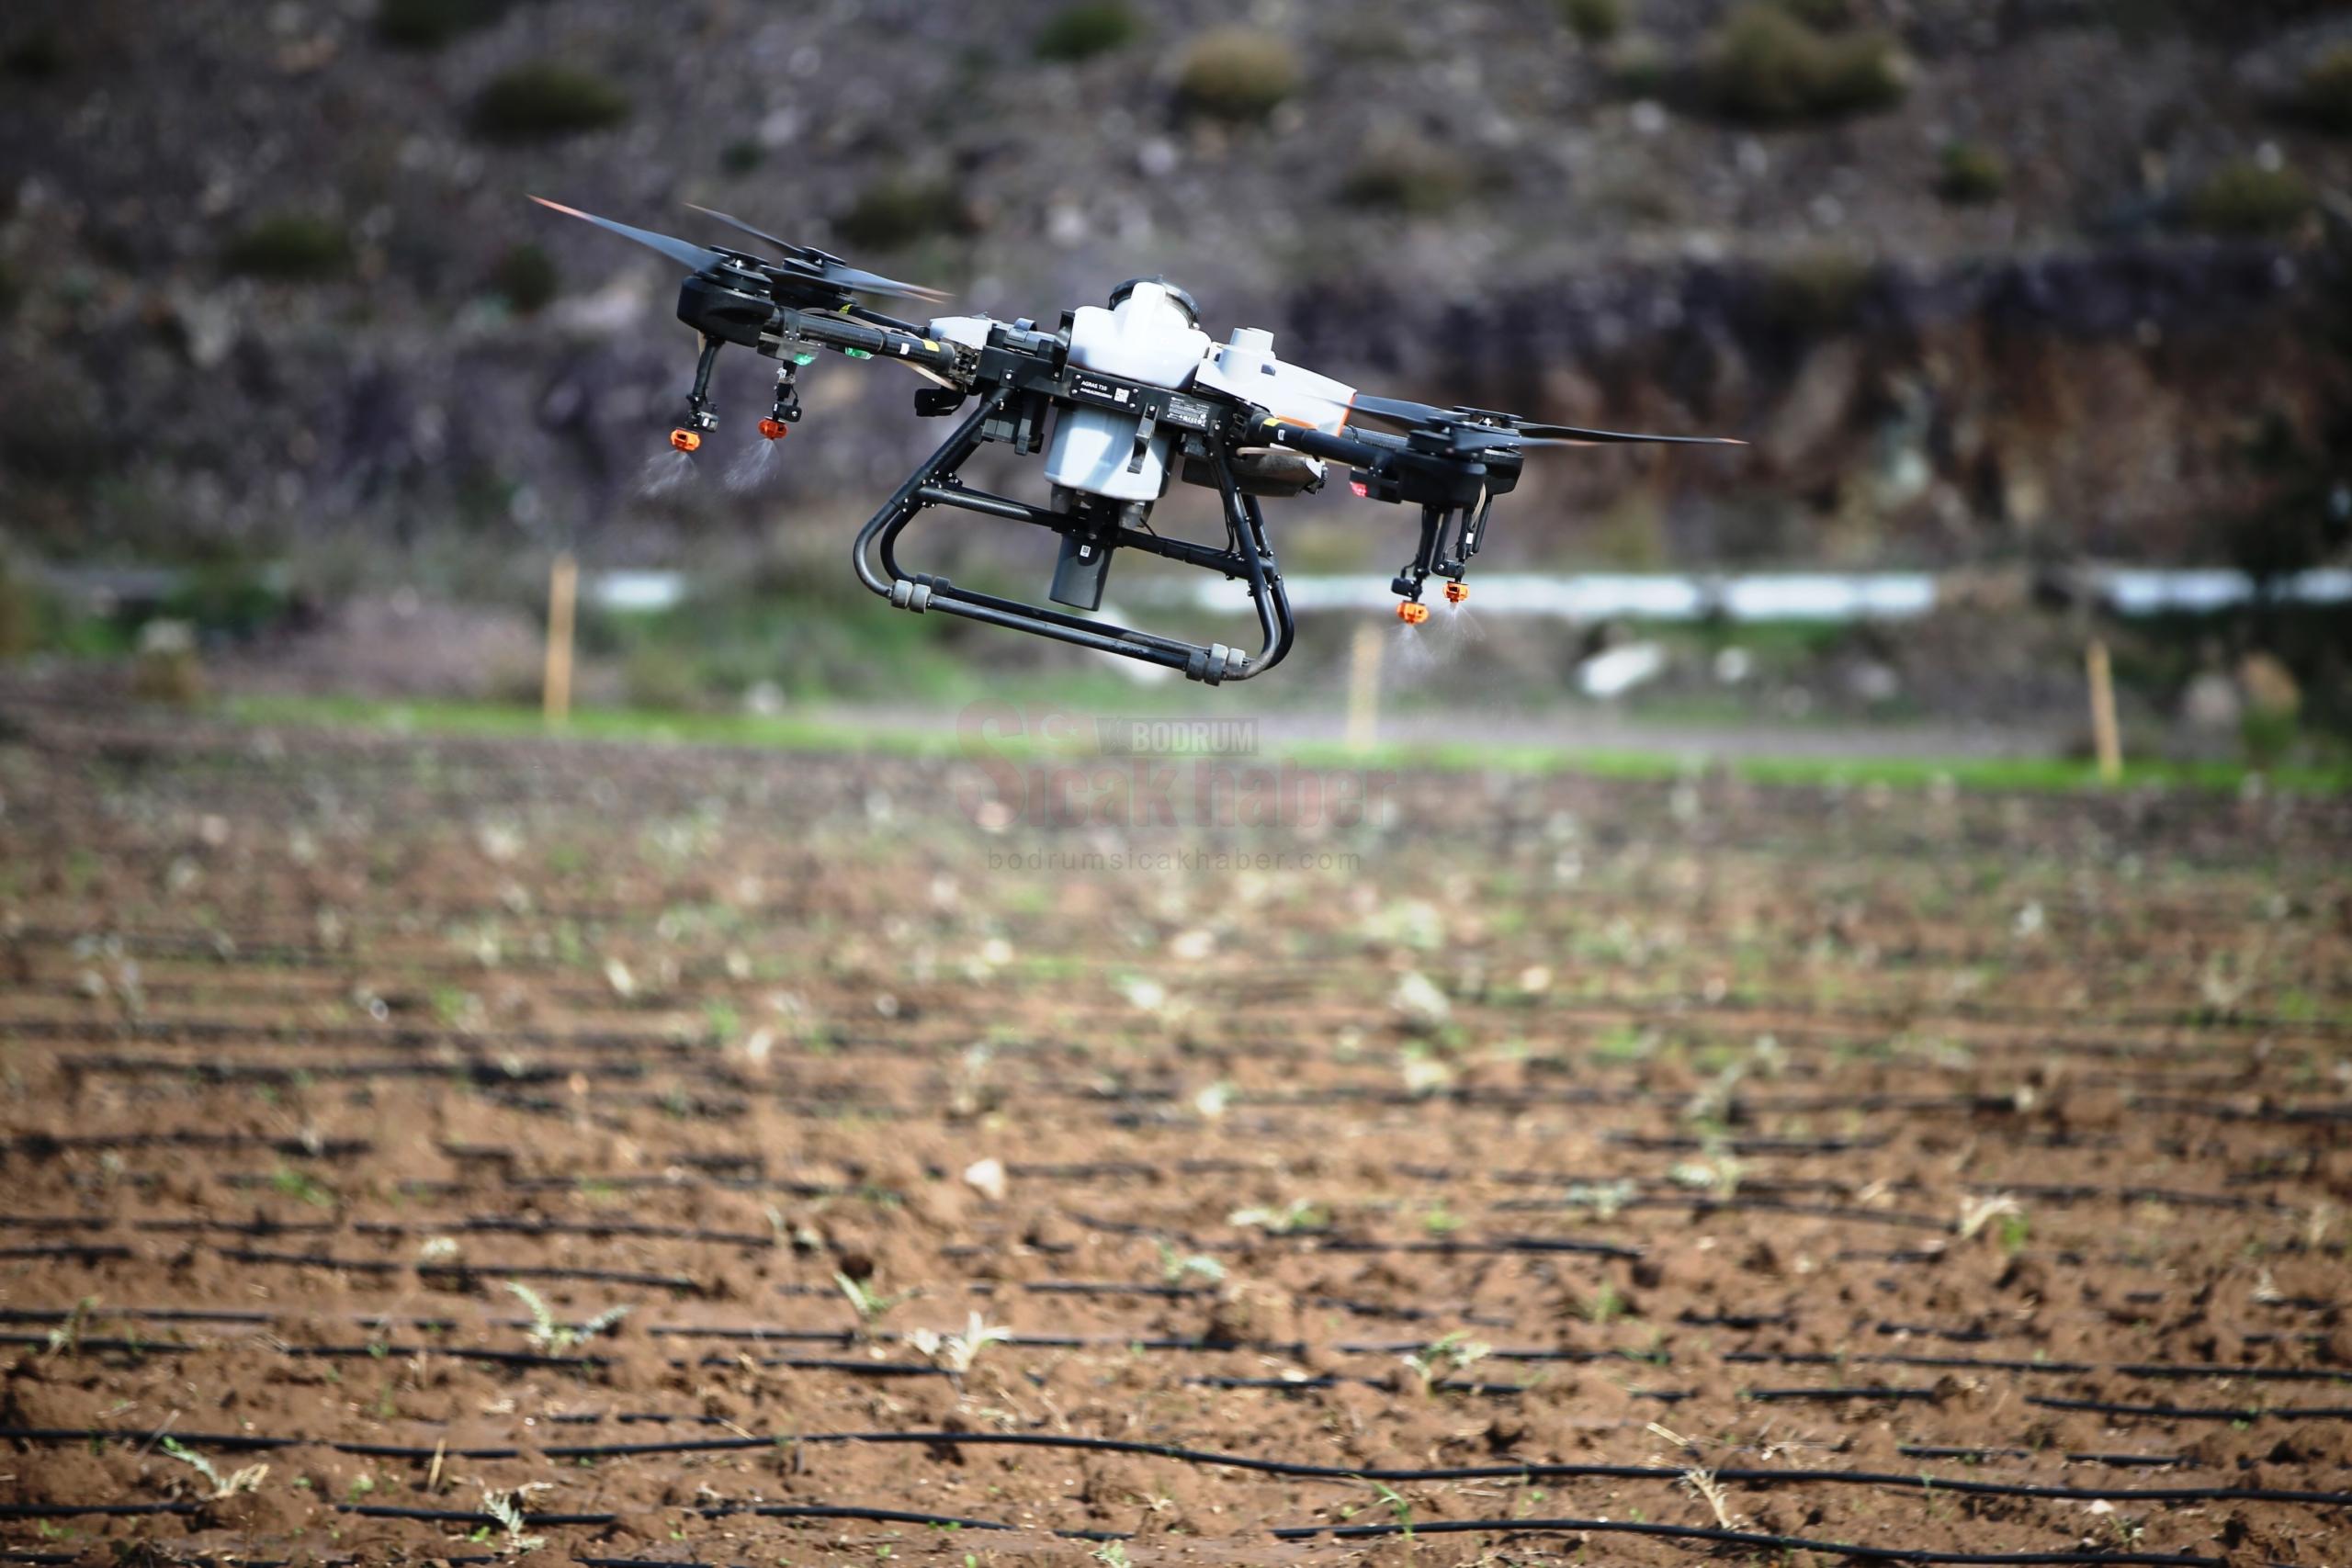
x=833, y=269
x=1576, y=435
x=1396, y=411
x=867, y=282
x=685, y=252
x=787, y=246
x=1573, y=435
x=1475, y=429
x=800, y=261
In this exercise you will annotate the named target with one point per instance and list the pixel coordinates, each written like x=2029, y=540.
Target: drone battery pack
x=1079, y=572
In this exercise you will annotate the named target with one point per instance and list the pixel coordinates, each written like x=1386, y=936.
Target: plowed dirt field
x=1541, y=1168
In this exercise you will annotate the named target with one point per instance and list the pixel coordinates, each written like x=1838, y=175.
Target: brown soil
x=1766, y=1141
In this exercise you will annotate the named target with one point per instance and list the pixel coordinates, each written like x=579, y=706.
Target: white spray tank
x=1246, y=366
x=1148, y=335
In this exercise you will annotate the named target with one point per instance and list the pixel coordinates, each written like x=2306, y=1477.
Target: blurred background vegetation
x=1998, y=292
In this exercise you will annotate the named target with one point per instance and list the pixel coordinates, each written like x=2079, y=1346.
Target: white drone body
x=1149, y=334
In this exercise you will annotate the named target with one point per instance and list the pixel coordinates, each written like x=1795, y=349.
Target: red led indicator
x=1361, y=488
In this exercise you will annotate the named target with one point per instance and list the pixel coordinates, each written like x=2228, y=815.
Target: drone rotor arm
x=1353, y=450
x=849, y=335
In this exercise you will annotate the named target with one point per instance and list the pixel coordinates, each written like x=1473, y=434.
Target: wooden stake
x=563, y=583
x=1363, y=685
x=2104, y=734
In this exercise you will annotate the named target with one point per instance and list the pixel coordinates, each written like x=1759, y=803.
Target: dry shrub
x=1767, y=66
x=1237, y=73
x=543, y=101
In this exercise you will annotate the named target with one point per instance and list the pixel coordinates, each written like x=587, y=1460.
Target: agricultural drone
x=1121, y=399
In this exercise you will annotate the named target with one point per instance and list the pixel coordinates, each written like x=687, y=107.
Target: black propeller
x=800, y=261
x=700, y=258
x=1473, y=430
x=831, y=268
x=787, y=246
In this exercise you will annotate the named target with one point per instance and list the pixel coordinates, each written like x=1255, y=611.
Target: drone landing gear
x=1088, y=538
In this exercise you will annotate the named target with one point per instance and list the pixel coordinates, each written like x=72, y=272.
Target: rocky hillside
x=1983, y=279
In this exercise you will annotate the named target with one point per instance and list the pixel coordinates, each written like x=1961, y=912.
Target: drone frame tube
x=934, y=484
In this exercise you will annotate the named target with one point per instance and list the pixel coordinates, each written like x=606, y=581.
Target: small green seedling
x=288, y=1182
x=66, y=1338
x=870, y=1305
x=1297, y=1216
x=1716, y=1171
x=954, y=1353
x=1398, y=1504
x=1179, y=1268
x=506, y=1508
x=1978, y=1211
x=555, y=1339
x=248, y=1479
x=1701, y=1484
x=1606, y=1201
x=1455, y=1353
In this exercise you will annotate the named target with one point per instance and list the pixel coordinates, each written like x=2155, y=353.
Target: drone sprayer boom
x=1120, y=401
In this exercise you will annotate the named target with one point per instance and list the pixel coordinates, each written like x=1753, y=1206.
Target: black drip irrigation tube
x=1972, y=1452
x=156, y=1315
x=1154, y=1343
x=257, y=1227
x=87, y=1253
x=2195, y=1412
x=465, y=1515
x=491, y=1224
x=115, y=1344
x=1286, y=1469
x=2164, y=1370
x=111, y=1510
x=1161, y=1344
x=1329, y=1240
x=483, y=1271
x=1757, y=1538
x=722, y=1511
x=48, y=1146
x=1886, y=1391
x=1326, y=1381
